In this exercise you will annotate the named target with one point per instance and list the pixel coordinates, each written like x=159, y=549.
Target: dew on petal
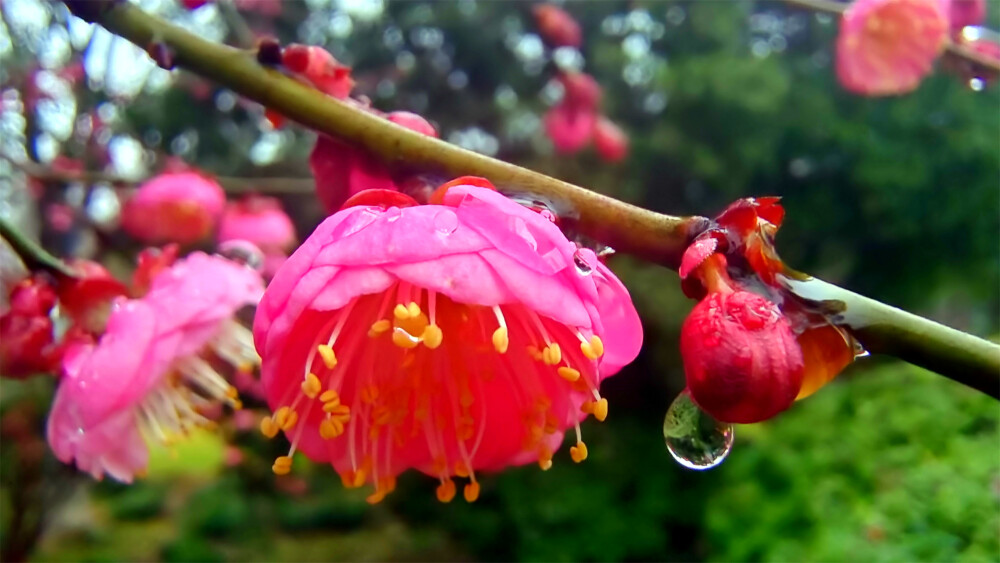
x=445, y=222
x=695, y=439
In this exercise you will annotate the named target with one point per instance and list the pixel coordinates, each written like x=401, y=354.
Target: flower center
x=410, y=378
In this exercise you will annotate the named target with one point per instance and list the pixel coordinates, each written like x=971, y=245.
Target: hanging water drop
x=393, y=214
x=243, y=252
x=581, y=262
x=977, y=84
x=695, y=439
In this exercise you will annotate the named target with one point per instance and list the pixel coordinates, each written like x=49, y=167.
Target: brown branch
x=653, y=236
x=231, y=184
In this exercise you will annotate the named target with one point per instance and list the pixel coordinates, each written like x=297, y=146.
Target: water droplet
x=242, y=252
x=583, y=266
x=859, y=350
x=977, y=84
x=393, y=214
x=445, y=222
x=695, y=439
x=548, y=215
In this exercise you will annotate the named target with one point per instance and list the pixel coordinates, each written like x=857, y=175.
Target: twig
x=629, y=229
x=33, y=255
x=951, y=48
x=231, y=184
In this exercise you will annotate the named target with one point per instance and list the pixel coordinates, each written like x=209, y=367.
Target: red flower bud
x=87, y=297
x=33, y=296
x=741, y=360
x=412, y=121
x=26, y=339
x=556, y=26
x=580, y=90
x=318, y=66
x=609, y=140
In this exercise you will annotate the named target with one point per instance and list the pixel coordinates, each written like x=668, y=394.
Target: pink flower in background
x=148, y=375
x=886, y=47
x=569, y=129
x=181, y=207
x=342, y=170
x=570, y=124
x=452, y=338
x=962, y=13
x=609, y=140
x=556, y=26
x=262, y=221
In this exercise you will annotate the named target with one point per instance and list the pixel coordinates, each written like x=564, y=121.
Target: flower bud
x=741, y=360
x=556, y=26
x=610, y=140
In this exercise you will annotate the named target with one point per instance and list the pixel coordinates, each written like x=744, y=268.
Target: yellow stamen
x=471, y=492
x=578, y=452
x=293, y=417
x=282, y=465
x=400, y=312
x=601, y=410
x=330, y=428
x=336, y=409
x=379, y=327
x=500, y=340
x=568, y=373
x=268, y=428
x=446, y=491
x=281, y=416
x=403, y=339
x=413, y=309
x=232, y=392
x=552, y=354
x=593, y=349
x=329, y=396
x=311, y=386
x=432, y=336
x=329, y=357
x=461, y=469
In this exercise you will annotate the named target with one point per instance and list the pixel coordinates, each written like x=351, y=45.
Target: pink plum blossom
x=261, y=221
x=452, y=338
x=181, y=207
x=886, y=47
x=569, y=129
x=149, y=376
x=610, y=140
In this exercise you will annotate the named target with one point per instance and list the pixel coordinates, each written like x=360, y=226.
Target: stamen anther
x=552, y=354
x=379, y=328
x=446, y=490
x=282, y=465
x=311, y=386
x=432, y=336
x=500, y=340
x=328, y=355
x=578, y=452
x=268, y=428
x=593, y=349
x=471, y=492
x=568, y=373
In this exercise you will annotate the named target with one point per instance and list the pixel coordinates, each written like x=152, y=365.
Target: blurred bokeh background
x=897, y=198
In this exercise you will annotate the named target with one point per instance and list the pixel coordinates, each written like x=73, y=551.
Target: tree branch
x=231, y=184
x=627, y=228
x=34, y=256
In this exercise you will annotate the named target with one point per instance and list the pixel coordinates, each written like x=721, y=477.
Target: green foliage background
x=897, y=198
